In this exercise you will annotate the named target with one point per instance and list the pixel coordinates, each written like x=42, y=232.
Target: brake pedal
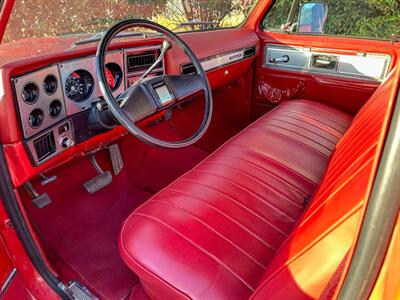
x=40, y=200
x=100, y=181
x=116, y=158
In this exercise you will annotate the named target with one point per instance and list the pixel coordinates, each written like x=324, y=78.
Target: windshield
x=54, y=24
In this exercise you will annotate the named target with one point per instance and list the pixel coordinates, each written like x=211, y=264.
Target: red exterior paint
x=27, y=280
x=6, y=265
x=388, y=283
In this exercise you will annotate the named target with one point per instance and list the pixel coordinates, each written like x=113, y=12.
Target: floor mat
x=81, y=230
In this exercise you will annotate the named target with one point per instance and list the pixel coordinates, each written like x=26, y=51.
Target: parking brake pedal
x=40, y=200
x=100, y=181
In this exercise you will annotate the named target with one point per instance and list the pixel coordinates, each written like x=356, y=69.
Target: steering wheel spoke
x=185, y=86
x=137, y=102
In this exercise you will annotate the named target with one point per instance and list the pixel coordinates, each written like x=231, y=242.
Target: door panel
x=353, y=70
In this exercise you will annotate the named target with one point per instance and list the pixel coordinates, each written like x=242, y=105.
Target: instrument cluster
x=55, y=104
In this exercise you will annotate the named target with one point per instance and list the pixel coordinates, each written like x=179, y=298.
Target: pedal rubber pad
x=98, y=182
x=42, y=200
x=116, y=158
x=78, y=291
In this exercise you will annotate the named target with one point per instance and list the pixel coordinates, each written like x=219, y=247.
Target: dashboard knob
x=67, y=142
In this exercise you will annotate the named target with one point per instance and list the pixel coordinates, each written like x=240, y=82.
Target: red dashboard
x=45, y=100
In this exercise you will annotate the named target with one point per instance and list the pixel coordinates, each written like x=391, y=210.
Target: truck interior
x=245, y=175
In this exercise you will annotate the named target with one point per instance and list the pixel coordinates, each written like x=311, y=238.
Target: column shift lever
x=166, y=45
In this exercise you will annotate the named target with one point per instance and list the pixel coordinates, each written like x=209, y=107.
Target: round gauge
x=55, y=108
x=30, y=93
x=36, y=118
x=114, y=75
x=50, y=84
x=79, y=85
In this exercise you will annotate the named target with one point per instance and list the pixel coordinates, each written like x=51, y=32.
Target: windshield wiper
x=99, y=35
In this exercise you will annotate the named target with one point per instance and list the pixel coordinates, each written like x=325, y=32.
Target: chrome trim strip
x=8, y=280
x=214, y=62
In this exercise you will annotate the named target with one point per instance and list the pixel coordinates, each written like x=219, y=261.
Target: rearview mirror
x=312, y=17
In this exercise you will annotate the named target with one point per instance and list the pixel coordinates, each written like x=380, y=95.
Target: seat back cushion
x=316, y=249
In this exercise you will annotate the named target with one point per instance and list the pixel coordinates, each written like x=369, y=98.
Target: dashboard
x=54, y=103
x=47, y=102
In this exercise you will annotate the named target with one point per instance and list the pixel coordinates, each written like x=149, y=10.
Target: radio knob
x=67, y=142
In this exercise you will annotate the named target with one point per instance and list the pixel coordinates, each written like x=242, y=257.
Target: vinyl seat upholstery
x=213, y=232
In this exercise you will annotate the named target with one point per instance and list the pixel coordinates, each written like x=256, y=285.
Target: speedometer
x=79, y=85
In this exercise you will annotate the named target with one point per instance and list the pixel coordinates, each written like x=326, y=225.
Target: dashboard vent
x=249, y=52
x=188, y=69
x=45, y=146
x=140, y=62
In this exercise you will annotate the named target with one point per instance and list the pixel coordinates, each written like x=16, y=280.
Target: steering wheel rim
x=120, y=114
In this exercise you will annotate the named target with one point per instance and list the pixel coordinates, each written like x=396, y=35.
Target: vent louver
x=45, y=146
x=188, y=69
x=141, y=62
x=249, y=52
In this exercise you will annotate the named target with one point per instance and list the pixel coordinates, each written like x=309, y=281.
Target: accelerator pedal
x=116, y=158
x=40, y=200
x=100, y=181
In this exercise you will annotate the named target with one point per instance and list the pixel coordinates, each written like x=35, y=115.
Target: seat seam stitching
x=239, y=203
x=201, y=249
x=250, y=192
x=203, y=201
x=215, y=231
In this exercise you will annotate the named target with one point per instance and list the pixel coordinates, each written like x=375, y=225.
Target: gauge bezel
x=56, y=84
x=110, y=66
x=58, y=112
x=37, y=96
x=42, y=120
x=89, y=91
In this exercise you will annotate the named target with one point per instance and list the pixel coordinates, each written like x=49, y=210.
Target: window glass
x=378, y=19
x=39, y=27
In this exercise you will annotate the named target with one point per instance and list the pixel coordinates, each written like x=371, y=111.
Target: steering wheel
x=154, y=95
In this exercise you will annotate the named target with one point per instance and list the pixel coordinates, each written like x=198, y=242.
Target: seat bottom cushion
x=212, y=232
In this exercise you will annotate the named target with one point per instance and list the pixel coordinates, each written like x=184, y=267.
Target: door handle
x=282, y=59
x=322, y=61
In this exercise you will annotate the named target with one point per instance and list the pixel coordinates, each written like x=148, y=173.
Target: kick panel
x=363, y=66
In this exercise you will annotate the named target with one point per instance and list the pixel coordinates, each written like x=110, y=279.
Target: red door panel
x=273, y=86
x=6, y=266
